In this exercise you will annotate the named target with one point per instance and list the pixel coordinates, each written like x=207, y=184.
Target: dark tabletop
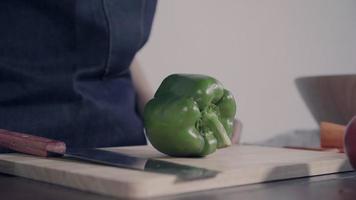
x=327, y=187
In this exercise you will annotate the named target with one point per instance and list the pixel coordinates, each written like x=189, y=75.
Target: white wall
x=256, y=48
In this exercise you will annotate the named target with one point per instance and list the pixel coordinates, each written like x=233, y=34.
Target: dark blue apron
x=64, y=69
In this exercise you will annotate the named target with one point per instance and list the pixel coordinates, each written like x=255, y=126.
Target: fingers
x=236, y=134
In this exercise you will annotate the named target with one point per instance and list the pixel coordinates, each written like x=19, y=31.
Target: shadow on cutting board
x=299, y=171
x=345, y=166
x=292, y=171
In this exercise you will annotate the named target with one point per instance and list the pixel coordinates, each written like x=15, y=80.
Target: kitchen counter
x=333, y=187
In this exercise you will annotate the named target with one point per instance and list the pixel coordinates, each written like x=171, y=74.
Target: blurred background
x=256, y=49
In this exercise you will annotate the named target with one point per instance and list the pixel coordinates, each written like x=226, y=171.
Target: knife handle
x=30, y=144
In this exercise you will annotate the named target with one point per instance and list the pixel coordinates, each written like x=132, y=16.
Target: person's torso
x=64, y=69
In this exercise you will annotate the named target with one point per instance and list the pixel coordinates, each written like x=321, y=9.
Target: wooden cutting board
x=239, y=165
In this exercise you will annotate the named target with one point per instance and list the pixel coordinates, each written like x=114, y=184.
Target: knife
x=44, y=147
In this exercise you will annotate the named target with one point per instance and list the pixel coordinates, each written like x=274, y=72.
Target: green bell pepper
x=190, y=115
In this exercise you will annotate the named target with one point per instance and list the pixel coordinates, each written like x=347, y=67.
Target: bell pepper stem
x=212, y=121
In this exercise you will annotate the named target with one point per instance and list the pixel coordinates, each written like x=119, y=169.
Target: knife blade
x=44, y=147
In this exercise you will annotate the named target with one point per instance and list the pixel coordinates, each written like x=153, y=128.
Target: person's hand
x=236, y=135
x=142, y=86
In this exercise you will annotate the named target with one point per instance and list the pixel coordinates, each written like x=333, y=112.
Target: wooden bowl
x=329, y=98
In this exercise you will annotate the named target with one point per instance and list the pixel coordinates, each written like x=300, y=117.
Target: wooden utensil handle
x=30, y=144
x=332, y=135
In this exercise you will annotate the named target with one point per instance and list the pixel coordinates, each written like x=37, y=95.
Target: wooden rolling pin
x=332, y=136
